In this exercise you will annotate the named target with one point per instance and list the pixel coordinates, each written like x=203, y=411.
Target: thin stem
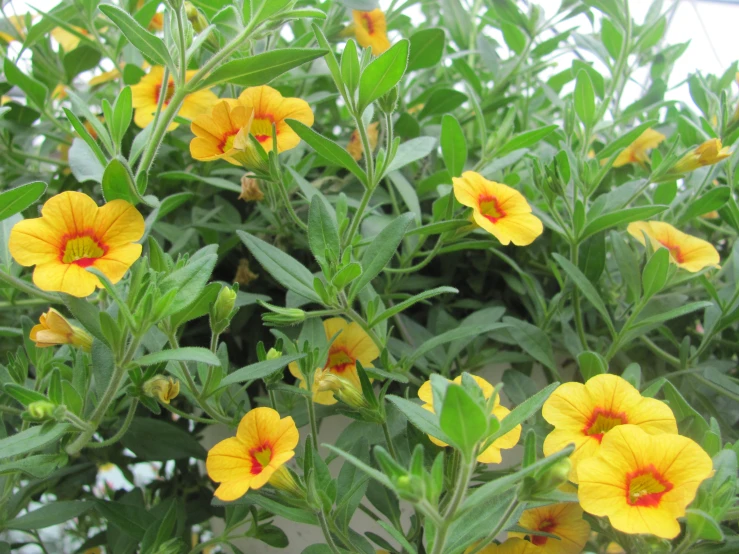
x=685, y=544
x=122, y=431
x=460, y=491
x=357, y=219
x=75, y=420
x=22, y=286
x=312, y=417
x=288, y=206
x=44, y=159
x=579, y=323
x=327, y=533
x=498, y=528
x=389, y=440
x=189, y=416
x=181, y=46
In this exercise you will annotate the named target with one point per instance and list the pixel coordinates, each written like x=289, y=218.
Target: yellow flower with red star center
x=636, y=152
x=271, y=108
x=352, y=344
x=370, y=28
x=643, y=482
x=491, y=455
x=511, y=546
x=499, y=209
x=72, y=234
x=255, y=456
x=146, y=94
x=687, y=251
x=223, y=134
x=709, y=153
x=584, y=414
x=563, y=520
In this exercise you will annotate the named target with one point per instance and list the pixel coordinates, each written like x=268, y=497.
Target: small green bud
x=41, y=409
x=197, y=19
x=224, y=304
x=282, y=316
x=273, y=354
x=548, y=479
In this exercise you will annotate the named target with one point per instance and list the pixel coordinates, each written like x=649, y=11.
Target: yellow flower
x=511, y=546
x=687, y=251
x=66, y=39
x=223, y=135
x=59, y=92
x=491, y=455
x=18, y=22
x=642, y=482
x=146, y=96
x=351, y=345
x=250, y=190
x=263, y=443
x=583, y=414
x=370, y=29
x=711, y=215
x=499, y=209
x=708, y=153
x=355, y=147
x=564, y=520
x=636, y=152
x=104, y=77
x=72, y=234
x=270, y=108
x=164, y=388
x=53, y=329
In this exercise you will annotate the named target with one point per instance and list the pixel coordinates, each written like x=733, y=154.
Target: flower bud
x=343, y=390
x=273, y=354
x=250, y=191
x=223, y=308
x=548, y=479
x=41, y=409
x=283, y=480
x=54, y=329
x=165, y=388
x=709, y=153
x=282, y=316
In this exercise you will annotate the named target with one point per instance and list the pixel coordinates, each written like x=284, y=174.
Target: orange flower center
x=227, y=141
x=367, y=23
x=260, y=457
x=261, y=127
x=601, y=421
x=674, y=251
x=490, y=208
x=645, y=487
x=545, y=526
x=81, y=250
x=338, y=360
x=167, y=94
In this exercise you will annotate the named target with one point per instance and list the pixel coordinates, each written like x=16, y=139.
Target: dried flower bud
x=54, y=329
x=250, y=190
x=165, y=388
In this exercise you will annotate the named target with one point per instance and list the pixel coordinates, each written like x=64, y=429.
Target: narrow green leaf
x=453, y=145
x=17, y=199
x=383, y=74
x=585, y=286
x=426, y=48
x=323, y=236
x=526, y=139
x=259, y=370
x=147, y=43
x=584, y=98
x=397, y=308
x=620, y=217
x=35, y=90
x=184, y=354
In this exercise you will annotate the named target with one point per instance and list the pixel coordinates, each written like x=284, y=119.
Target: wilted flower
x=709, y=153
x=250, y=191
x=244, y=275
x=370, y=28
x=499, y=209
x=164, y=388
x=355, y=147
x=53, y=329
x=72, y=234
x=687, y=251
x=643, y=482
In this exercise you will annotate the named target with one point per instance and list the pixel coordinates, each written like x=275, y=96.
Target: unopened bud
x=410, y=488
x=164, y=388
x=53, y=329
x=250, y=190
x=709, y=153
x=548, y=479
x=344, y=390
x=222, y=308
x=273, y=354
x=283, y=480
x=41, y=409
x=282, y=316
x=197, y=19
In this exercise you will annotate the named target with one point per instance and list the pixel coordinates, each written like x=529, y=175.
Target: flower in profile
x=69, y=40
x=355, y=147
x=164, y=388
x=636, y=152
x=351, y=344
x=271, y=108
x=563, y=520
x=250, y=190
x=583, y=414
x=491, y=455
x=53, y=329
x=104, y=77
x=73, y=234
x=511, y=546
x=709, y=153
x=688, y=252
x=499, y=209
x=146, y=97
x=643, y=482
x=370, y=28
x=255, y=456
x=223, y=134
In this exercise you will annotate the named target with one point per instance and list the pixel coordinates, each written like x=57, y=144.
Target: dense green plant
x=152, y=361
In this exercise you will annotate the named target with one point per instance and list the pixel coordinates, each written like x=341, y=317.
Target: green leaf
x=457, y=20
x=17, y=199
x=654, y=276
x=513, y=37
x=328, y=149
x=189, y=280
x=526, y=139
x=533, y=341
x=323, y=236
x=380, y=251
x=674, y=313
x=462, y=419
x=31, y=439
x=397, y=308
x=199, y=307
x=346, y=275
x=453, y=145
x=118, y=183
x=184, y=354
x=148, y=44
x=714, y=199
x=627, y=264
x=285, y=269
x=155, y=439
x=585, y=286
x=350, y=66
x=620, y=217
x=524, y=411
x=380, y=76
x=22, y=394
x=262, y=68
x=624, y=140
x=35, y=90
x=264, y=9
x=426, y=421
x=260, y=370
x=584, y=98
x=410, y=151
x=50, y=514
x=82, y=59
x=442, y=101
x=122, y=114
x=461, y=332
x=702, y=526
x=218, y=182
x=684, y=411
x=372, y=472
x=591, y=364
x=426, y=48
x=39, y=466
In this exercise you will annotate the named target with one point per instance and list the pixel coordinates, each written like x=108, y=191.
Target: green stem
x=75, y=420
x=579, y=323
x=44, y=159
x=357, y=219
x=288, y=206
x=21, y=285
x=389, y=440
x=327, y=533
x=312, y=418
x=685, y=544
x=189, y=416
x=122, y=431
x=460, y=491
